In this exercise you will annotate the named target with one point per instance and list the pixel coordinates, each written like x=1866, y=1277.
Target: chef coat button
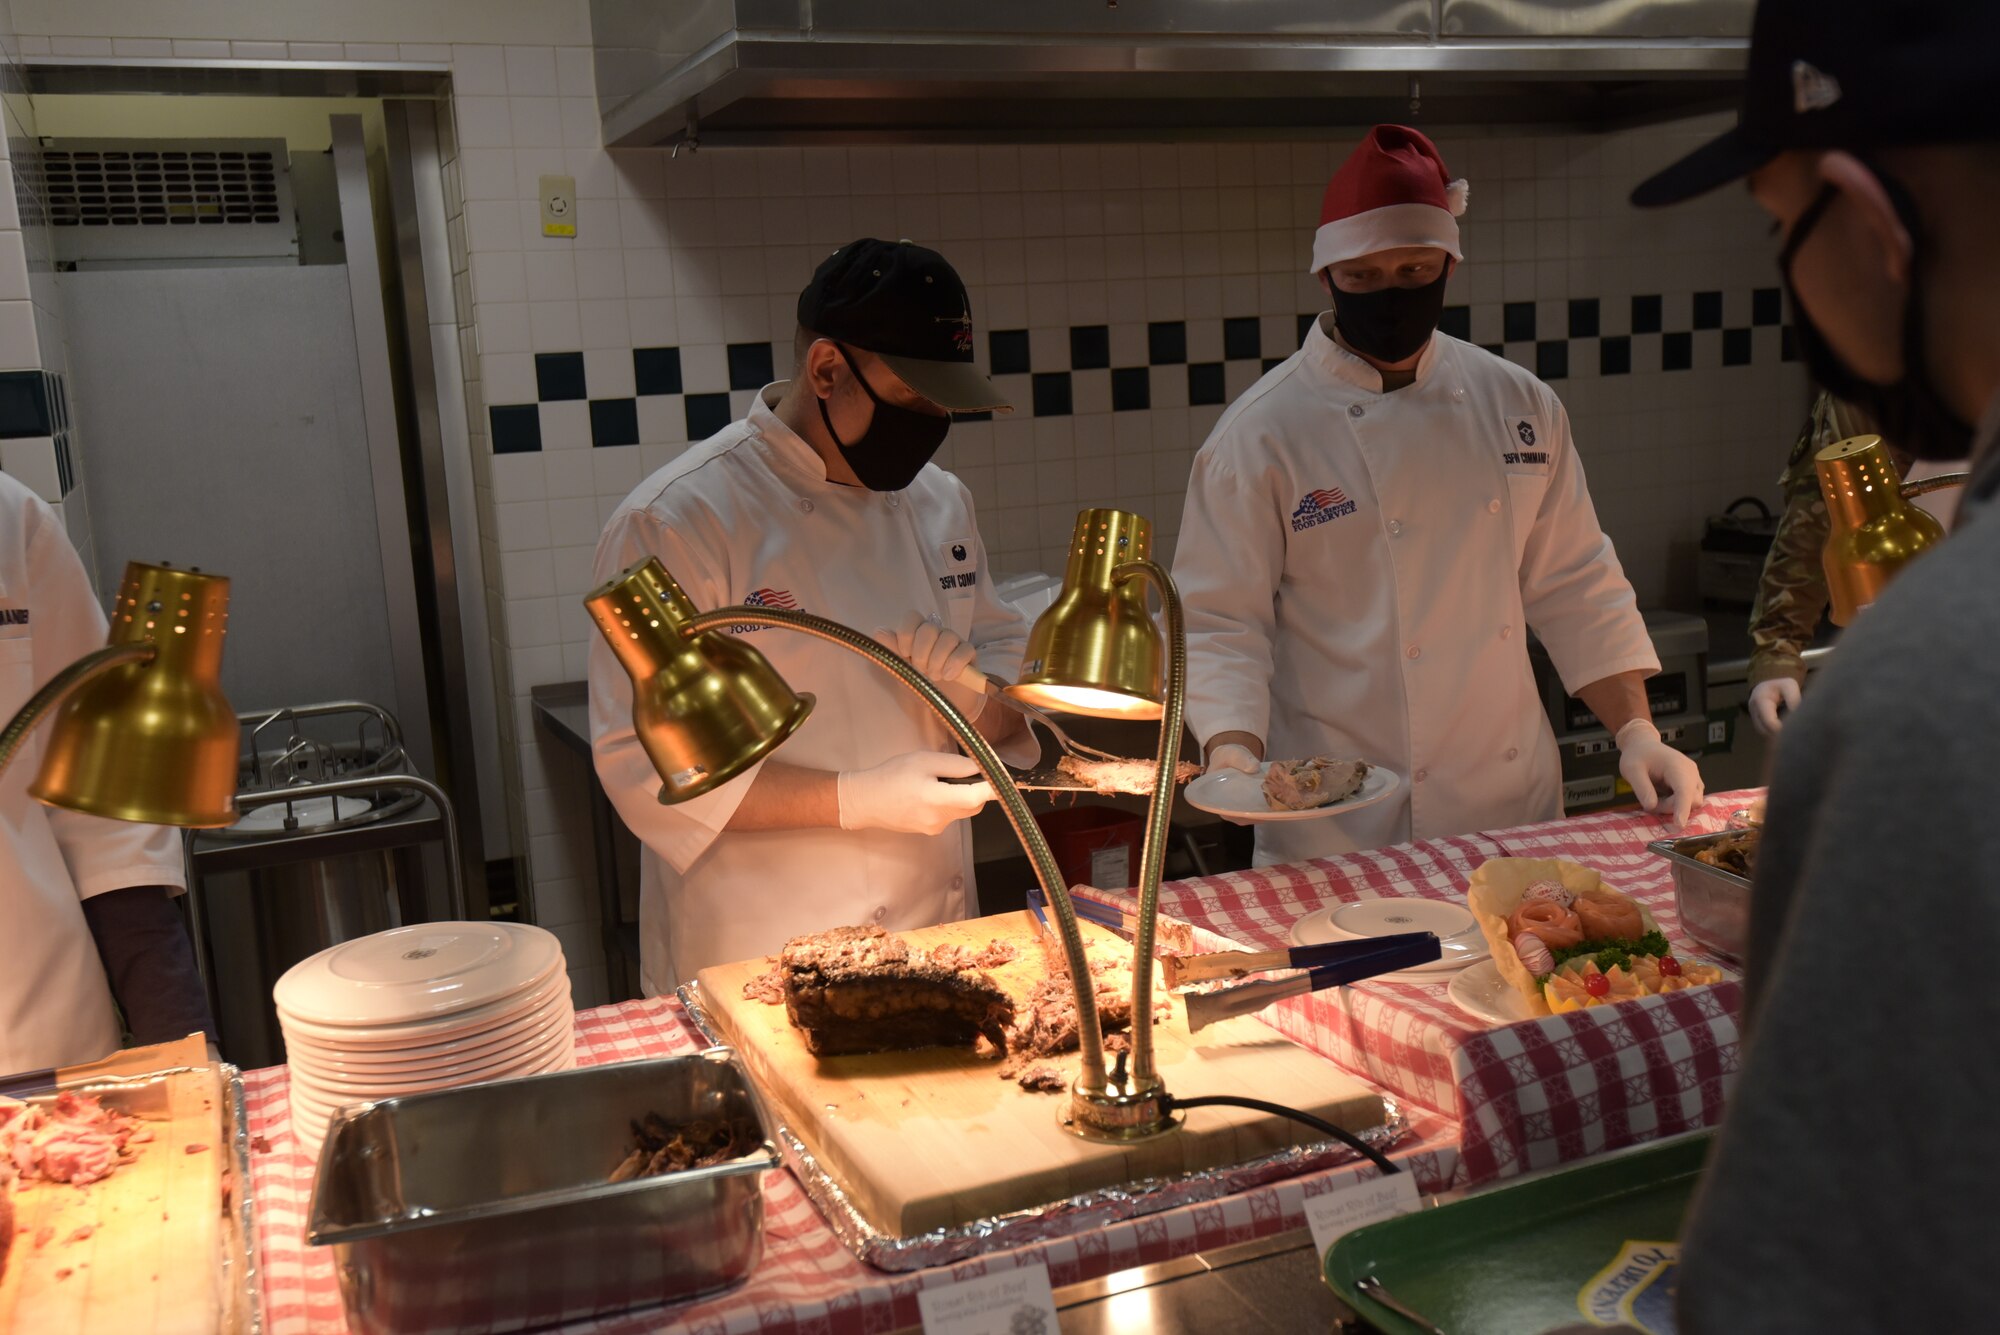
x=1395, y=527
x=895, y=501
x=1506, y=632
x=958, y=883
x=805, y=506
x=1413, y=652
x=1513, y=753
x=1458, y=392
x=1355, y=410
x=1421, y=775
x=1493, y=506
x=881, y=913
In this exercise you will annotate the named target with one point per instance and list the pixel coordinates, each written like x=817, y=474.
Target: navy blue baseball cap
x=1850, y=74
x=906, y=305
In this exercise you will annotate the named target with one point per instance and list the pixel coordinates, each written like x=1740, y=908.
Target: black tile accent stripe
x=1089, y=347
x=1583, y=318
x=24, y=405
x=706, y=415
x=656, y=370
x=1677, y=352
x=1206, y=383
x=559, y=377
x=1614, y=356
x=1242, y=338
x=30, y=403
x=1007, y=351
x=750, y=365
x=616, y=421
x=1052, y=394
x=65, y=468
x=1131, y=388
x=517, y=428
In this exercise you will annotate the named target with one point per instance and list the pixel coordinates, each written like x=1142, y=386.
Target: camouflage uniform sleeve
x=1791, y=594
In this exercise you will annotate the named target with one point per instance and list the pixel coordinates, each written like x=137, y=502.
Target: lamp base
x=1122, y=1111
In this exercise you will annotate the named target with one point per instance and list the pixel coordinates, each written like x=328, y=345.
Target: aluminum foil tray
x=1057, y=1219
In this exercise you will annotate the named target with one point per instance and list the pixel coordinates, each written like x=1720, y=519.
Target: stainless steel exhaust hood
x=886, y=71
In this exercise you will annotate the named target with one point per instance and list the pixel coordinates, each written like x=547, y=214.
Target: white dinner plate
x=421, y=972
x=480, y=1050
x=1235, y=794
x=310, y=811
x=1482, y=993
x=421, y=1030
x=371, y=1085
x=1460, y=941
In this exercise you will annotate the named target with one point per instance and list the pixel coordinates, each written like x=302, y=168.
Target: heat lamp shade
x=1097, y=650
x=154, y=742
x=705, y=707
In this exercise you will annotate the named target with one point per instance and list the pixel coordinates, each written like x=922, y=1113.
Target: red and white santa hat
x=1392, y=191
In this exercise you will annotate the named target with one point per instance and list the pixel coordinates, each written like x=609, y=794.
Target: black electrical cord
x=1326, y=1128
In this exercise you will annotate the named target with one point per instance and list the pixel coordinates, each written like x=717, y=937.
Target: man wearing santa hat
x=1373, y=529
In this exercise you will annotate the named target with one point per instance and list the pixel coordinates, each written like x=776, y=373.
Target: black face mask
x=1390, y=323
x=896, y=445
x=1909, y=412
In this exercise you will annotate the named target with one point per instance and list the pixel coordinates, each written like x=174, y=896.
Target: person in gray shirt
x=1855, y=1185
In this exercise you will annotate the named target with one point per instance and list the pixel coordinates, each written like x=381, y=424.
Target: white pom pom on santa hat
x=1392, y=191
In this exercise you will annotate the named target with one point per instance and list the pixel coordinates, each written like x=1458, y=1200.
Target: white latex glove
x=1230, y=756
x=1767, y=698
x=1650, y=765
x=903, y=794
x=941, y=655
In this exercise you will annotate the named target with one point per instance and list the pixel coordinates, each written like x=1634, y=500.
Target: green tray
x=1516, y=1260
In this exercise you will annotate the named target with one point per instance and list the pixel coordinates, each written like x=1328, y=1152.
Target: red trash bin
x=1094, y=845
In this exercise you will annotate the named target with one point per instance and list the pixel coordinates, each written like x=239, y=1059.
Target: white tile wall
x=711, y=249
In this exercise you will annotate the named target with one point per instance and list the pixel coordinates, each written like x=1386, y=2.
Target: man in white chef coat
x=86, y=903
x=824, y=498
x=1372, y=530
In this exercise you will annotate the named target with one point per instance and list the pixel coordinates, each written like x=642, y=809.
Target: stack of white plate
x=420, y=1008
x=1459, y=938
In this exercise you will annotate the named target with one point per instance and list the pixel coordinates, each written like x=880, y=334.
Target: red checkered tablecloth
x=807, y=1282
x=1528, y=1095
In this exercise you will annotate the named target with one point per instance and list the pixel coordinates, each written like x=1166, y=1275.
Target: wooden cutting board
x=151, y=1260
x=934, y=1138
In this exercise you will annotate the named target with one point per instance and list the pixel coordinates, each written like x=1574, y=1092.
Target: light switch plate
x=558, y=205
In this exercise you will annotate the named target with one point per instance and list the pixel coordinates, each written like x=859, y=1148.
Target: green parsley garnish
x=1610, y=952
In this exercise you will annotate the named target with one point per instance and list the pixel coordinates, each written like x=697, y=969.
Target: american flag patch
x=781, y=598
x=1317, y=507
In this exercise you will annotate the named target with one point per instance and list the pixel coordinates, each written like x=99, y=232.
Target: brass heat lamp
x=144, y=732
x=706, y=706
x=1096, y=650
x=1874, y=531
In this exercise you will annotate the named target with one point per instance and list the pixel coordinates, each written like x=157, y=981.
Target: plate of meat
x=1293, y=789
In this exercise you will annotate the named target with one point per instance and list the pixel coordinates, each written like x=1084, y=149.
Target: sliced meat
x=858, y=989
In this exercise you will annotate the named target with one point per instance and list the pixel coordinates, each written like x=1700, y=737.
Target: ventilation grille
x=163, y=187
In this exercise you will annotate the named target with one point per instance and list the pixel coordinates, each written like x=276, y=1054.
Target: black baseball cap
x=906, y=305
x=1850, y=74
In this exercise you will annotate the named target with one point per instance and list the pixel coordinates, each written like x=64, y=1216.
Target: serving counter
x=1484, y=1103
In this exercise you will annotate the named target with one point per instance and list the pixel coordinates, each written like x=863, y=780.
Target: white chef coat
x=1360, y=570
x=55, y=1005
x=748, y=516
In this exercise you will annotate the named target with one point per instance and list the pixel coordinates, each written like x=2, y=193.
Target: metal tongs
x=1332, y=965
x=994, y=688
